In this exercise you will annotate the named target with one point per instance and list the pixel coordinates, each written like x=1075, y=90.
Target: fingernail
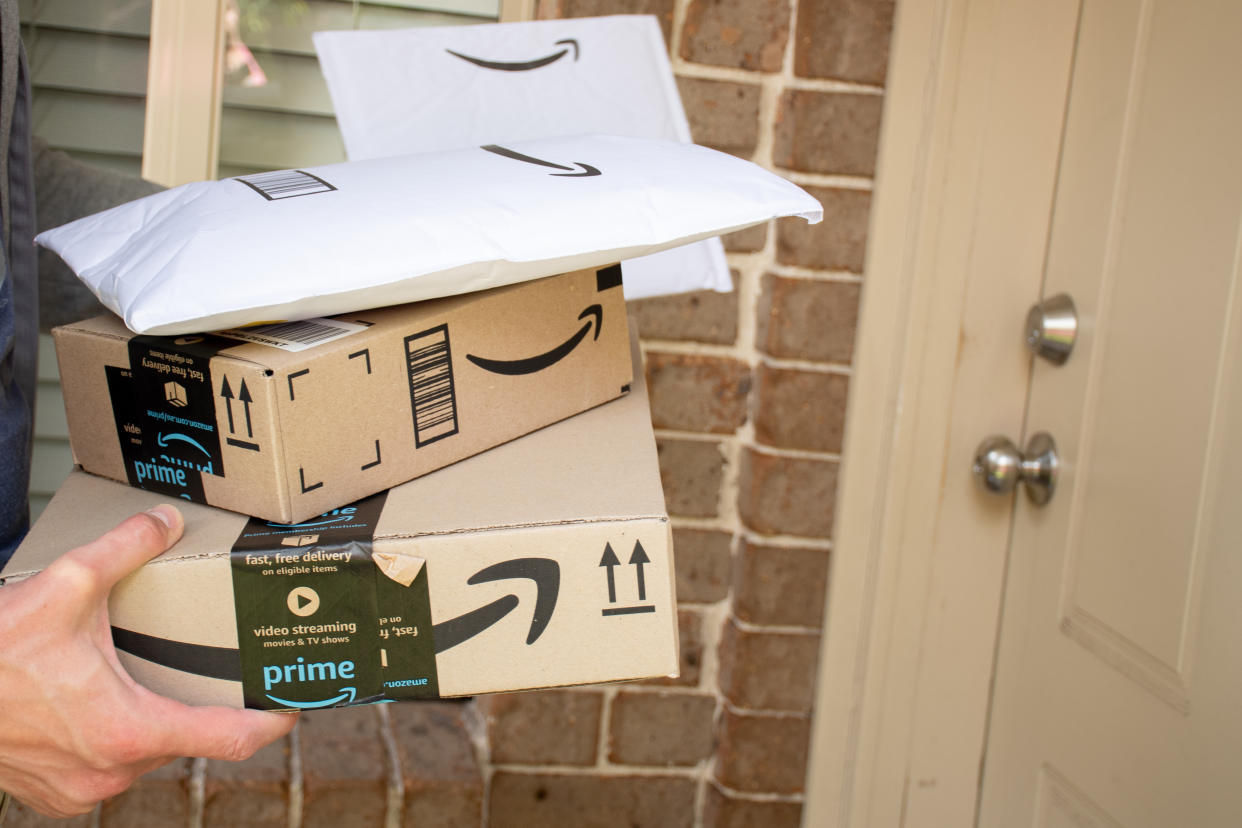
x=164, y=514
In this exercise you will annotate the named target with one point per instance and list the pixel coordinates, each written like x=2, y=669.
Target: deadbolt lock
x=1052, y=327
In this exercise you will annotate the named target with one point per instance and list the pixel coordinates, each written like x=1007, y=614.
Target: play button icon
x=303, y=601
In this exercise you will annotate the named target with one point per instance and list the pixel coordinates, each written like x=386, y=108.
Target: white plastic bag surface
x=361, y=234
x=447, y=87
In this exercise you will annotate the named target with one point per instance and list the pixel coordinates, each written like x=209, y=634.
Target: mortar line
x=812, y=366
x=747, y=438
x=686, y=772
x=815, y=275
x=765, y=713
x=476, y=728
x=296, y=789
x=786, y=541
x=751, y=77
x=396, y=785
x=702, y=523
x=754, y=796
x=775, y=629
x=605, y=715
x=838, y=181
x=198, y=790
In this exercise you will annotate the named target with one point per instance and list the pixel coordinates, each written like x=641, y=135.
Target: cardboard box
x=544, y=562
x=313, y=415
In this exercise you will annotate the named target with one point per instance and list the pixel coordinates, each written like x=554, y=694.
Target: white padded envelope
x=436, y=88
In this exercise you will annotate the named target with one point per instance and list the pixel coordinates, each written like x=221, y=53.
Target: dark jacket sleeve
x=67, y=189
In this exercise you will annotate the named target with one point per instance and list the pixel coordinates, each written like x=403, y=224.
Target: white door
x=1118, y=693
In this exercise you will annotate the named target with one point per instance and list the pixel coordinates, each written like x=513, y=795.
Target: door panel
x=1116, y=669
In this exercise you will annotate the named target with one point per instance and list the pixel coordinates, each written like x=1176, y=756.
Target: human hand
x=74, y=727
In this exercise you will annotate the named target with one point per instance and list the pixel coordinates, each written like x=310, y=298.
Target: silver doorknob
x=1052, y=327
x=999, y=466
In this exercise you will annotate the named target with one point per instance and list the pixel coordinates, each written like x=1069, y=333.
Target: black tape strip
x=165, y=413
x=199, y=659
x=319, y=623
x=607, y=278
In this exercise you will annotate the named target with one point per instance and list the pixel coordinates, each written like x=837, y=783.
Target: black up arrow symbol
x=610, y=560
x=638, y=558
x=244, y=396
x=246, y=399
x=227, y=393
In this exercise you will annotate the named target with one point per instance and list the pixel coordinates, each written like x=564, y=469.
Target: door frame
x=974, y=109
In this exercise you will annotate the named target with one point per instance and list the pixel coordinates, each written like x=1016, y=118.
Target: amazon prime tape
x=291, y=420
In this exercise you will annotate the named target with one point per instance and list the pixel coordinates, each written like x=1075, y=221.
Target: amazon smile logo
x=521, y=65
x=594, y=316
x=585, y=171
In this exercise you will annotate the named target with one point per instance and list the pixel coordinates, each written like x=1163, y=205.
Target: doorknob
x=999, y=466
x=1052, y=327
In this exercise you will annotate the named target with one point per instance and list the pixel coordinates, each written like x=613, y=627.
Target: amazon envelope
x=544, y=562
x=398, y=91
x=287, y=421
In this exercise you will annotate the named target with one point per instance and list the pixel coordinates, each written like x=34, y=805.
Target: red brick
x=763, y=753
x=699, y=316
x=768, y=670
x=19, y=816
x=157, y=799
x=800, y=409
x=828, y=132
x=780, y=587
x=747, y=34
x=787, y=495
x=807, y=319
x=690, y=392
x=520, y=800
x=690, y=639
x=704, y=565
x=691, y=471
x=545, y=727
x=843, y=40
x=724, y=810
x=252, y=793
x=661, y=728
x=344, y=768
x=723, y=115
x=439, y=772
x=750, y=240
x=662, y=9
x=838, y=242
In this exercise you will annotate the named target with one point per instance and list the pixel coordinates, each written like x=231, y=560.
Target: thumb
x=110, y=557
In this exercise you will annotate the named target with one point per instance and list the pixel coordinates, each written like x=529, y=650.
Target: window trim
x=185, y=81
x=185, y=87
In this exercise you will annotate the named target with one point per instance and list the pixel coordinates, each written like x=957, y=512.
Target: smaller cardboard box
x=288, y=421
x=544, y=562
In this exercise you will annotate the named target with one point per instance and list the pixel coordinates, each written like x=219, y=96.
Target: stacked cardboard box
x=544, y=561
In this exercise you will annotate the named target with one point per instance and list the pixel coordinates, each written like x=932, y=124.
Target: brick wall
x=748, y=399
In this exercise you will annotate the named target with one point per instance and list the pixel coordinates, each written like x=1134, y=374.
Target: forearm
x=67, y=189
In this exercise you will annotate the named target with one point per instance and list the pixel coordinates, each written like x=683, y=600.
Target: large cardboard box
x=308, y=416
x=543, y=562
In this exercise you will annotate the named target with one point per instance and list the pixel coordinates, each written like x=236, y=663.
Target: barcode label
x=285, y=184
x=295, y=336
x=432, y=395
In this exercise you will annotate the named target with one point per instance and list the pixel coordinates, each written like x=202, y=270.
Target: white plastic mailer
x=313, y=242
x=446, y=87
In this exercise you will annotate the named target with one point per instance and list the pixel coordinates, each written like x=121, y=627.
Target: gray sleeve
x=67, y=189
